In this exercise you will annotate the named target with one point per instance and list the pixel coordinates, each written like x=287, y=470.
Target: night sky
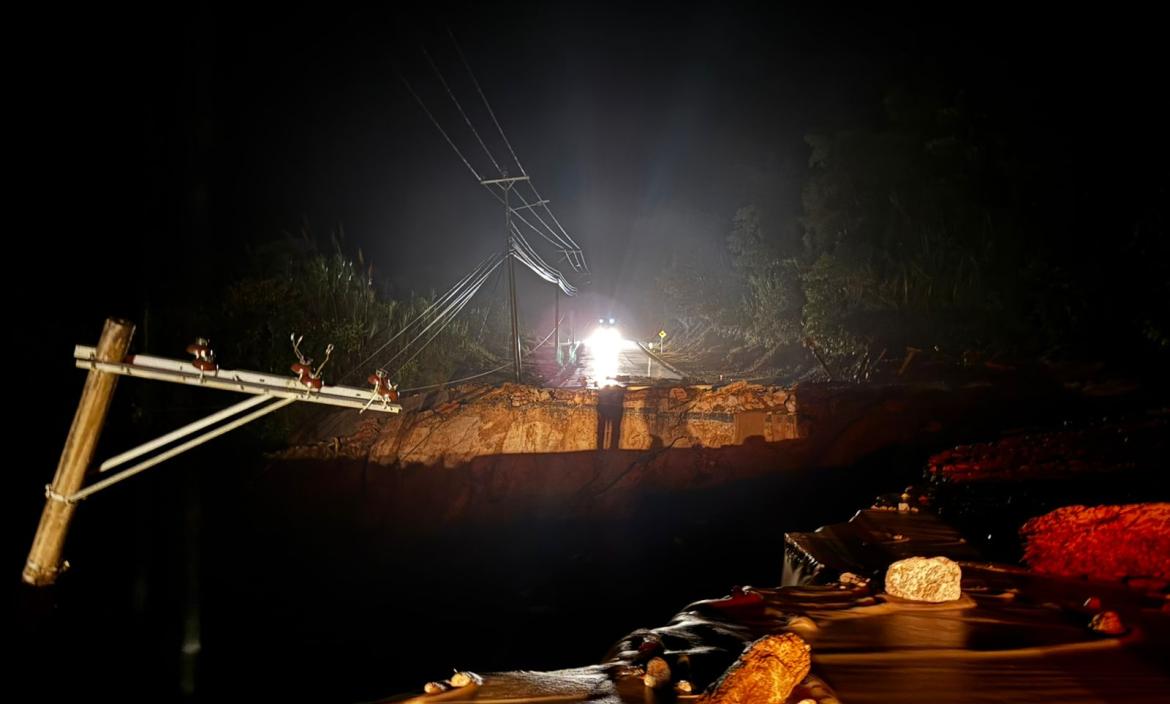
x=164, y=143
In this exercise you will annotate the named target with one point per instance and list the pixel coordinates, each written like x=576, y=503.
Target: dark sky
x=160, y=143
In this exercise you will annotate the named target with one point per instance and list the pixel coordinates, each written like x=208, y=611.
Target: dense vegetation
x=330, y=298
x=936, y=228
x=295, y=285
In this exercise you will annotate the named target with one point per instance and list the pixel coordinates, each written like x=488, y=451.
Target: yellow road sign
x=662, y=334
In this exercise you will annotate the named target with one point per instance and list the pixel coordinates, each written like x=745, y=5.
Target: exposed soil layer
x=482, y=451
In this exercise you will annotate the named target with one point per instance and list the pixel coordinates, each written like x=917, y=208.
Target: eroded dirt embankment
x=458, y=426
x=483, y=451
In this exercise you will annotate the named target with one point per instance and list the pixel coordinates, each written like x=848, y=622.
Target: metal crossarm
x=109, y=360
x=275, y=391
x=241, y=381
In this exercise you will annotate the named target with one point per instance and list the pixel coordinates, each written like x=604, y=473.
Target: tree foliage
x=909, y=231
x=939, y=227
x=772, y=295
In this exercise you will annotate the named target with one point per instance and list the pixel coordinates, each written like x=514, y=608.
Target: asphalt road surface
x=613, y=362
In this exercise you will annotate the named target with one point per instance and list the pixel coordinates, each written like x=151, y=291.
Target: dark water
x=291, y=597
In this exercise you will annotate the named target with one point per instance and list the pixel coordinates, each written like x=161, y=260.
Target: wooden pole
x=44, y=559
x=512, y=285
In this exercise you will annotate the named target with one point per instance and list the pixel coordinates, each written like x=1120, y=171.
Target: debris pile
x=1101, y=542
x=1054, y=455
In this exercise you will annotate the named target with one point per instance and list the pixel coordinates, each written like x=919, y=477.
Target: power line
x=507, y=142
x=449, y=313
x=439, y=127
x=554, y=218
x=516, y=214
x=548, y=336
x=518, y=247
x=458, y=106
x=456, y=304
x=500, y=368
x=485, y=101
x=490, y=307
x=437, y=302
x=561, y=244
x=481, y=374
x=556, y=240
x=458, y=307
x=542, y=269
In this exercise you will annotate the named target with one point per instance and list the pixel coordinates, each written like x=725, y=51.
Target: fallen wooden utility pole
x=44, y=559
x=106, y=363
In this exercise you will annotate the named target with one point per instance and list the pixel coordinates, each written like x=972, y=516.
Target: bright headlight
x=605, y=342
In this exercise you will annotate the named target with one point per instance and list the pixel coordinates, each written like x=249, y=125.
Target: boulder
x=929, y=579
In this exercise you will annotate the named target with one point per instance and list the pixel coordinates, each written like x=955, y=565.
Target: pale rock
x=930, y=579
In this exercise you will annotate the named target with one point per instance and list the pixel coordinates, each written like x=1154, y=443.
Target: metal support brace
x=178, y=450
x=182, y=432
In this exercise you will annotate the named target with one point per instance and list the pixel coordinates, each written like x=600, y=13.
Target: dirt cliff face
x=507, y=420
x=457, y=427
x=520, y=450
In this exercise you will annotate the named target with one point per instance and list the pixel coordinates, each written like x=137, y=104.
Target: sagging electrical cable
x=467, y=66
x=534, y=261
x=449, y=312
x=555, y=240
x=454, y=312
x=500, y=368
x=444, y=316
x=558, y=243
x=441, y=300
